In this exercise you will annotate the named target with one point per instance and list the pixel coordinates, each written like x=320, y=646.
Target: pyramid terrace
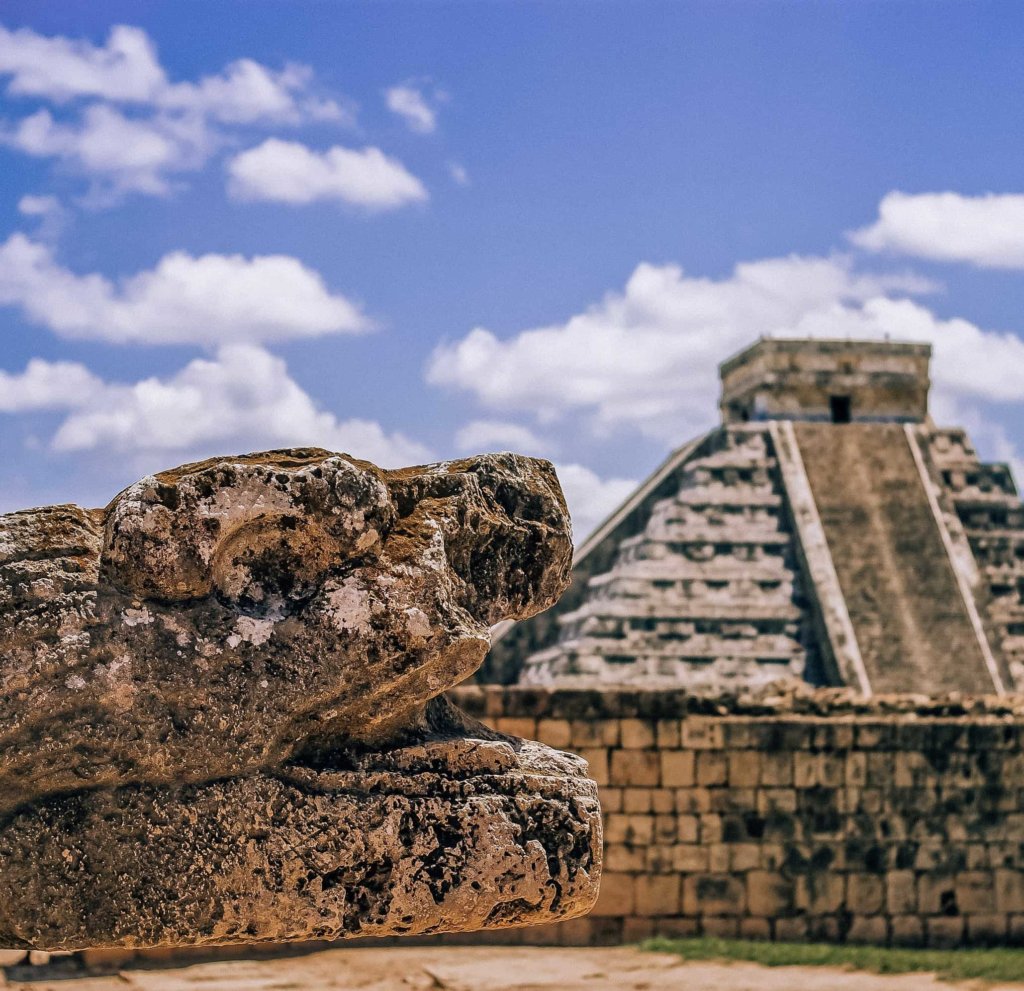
x=826, y=530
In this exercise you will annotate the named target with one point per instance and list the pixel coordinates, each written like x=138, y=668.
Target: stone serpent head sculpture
x=221, y=715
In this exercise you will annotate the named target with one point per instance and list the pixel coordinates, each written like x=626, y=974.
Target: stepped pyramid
x=826, y=531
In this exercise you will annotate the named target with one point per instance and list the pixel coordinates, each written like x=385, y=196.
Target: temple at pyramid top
x=833, y=381
x=826, y=530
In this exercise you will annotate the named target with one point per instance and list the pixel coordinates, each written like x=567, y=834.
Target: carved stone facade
x=827, y=531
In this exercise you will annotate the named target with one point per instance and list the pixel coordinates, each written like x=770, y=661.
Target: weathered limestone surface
x=219, y=712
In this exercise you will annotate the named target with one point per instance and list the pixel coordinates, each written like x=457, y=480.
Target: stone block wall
x=812, y=817
x=809, y=816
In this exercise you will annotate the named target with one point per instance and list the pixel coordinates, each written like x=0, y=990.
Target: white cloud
x=206, y=300
x=48, y=385
x=243, y=399
x=49, y=213
x=986, y=231
x=410, y=103
x=458, y=173
x=38, y=206
x=126, y=69
x=499, y=435
x=119, y=153
x=647, y=357
x=590, y=498
x=139, y=129
x=289, y=172
x=247, y=92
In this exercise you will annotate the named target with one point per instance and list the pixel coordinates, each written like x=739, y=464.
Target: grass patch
x=996, y=964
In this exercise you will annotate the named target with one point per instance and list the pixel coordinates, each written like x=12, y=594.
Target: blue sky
x=416, y=230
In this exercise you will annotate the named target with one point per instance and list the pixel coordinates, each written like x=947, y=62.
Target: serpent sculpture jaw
x=221, y=716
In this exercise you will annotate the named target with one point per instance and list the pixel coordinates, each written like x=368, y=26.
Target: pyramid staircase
x=707, y=592
x=909, y=615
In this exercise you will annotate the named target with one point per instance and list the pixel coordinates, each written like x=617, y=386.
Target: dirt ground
x=487, y=969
